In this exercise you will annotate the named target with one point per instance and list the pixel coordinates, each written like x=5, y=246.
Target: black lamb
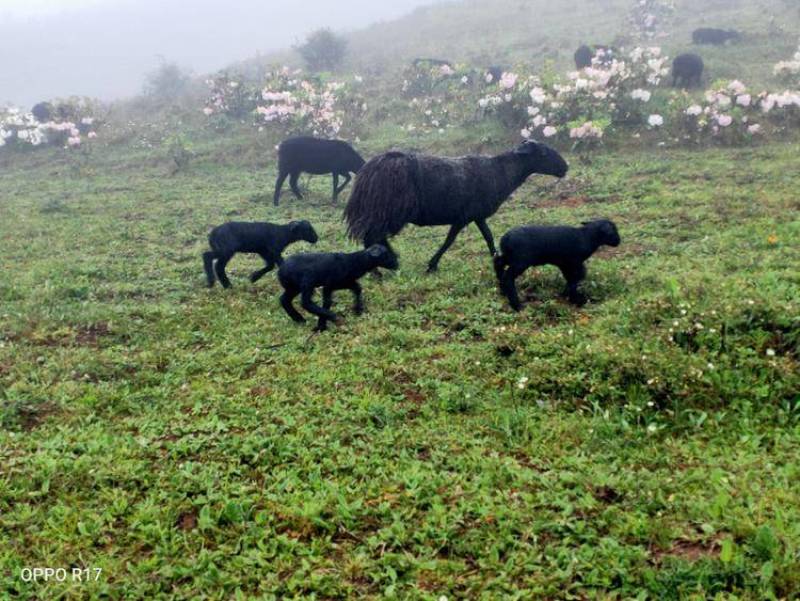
x=265, y=239
x=316, y=156
x=303, y=273
x=397, y=188
x=716, y=37
x=565, y=247
x=687, y=68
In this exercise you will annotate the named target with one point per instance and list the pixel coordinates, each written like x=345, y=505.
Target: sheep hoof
x=432, y=269
x=358, y=310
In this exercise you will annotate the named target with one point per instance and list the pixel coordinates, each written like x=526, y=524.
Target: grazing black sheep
x=397, y=188
x=265, y=239
x=302, y=273
x=585, y=54
x=716, y=37
x=317, y=156
x=565, y=247
x=687, y=68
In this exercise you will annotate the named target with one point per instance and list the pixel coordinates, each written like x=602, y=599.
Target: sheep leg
x=208, y=266
x=286, y=302
x=219, y=267
x=574, y=274
x=509, y=287
x=309, y=305
x=335, y=185
x=278, y=185
x=293, y=179
x=358, y=306
x=487, y=235
x=327, y=302
x=433, y=265
x=260, y=273
x=347, y=178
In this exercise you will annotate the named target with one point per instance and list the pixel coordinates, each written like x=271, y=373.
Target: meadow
x=196, y=443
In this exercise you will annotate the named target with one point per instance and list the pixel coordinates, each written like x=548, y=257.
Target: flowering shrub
x=789, y=70
x=648, y=15
x=71, y=123
x=229, y=96
x=289, y=101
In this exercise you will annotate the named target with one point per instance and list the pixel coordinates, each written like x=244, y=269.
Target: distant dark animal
x=716, y=37
x=315, y=156
x=433, y=62
x=43, y=112
x=565, y=247
x=301, y=274
x=265, y=239
x=687, y=69
x=496, y=71
x=397, y=188
x=585, y=54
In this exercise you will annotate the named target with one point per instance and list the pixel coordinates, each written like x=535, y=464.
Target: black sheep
x=303, y=273
x=318, y=157
x=496, y=71
x=565, y=247
x=43, y=112
x=265, y=239
x=585, y=54
x=397, y=188
x=687, y=68
x=716, y=37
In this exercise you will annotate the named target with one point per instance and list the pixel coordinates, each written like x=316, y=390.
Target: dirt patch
x=91, y=334
x=688, y=551
x=632, y=249
x=28, y=417
x=187, y=520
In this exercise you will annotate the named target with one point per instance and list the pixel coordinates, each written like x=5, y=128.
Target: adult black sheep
x=397, y=188
x=43, y=112
x=585, y=54
x=316, y=156
x=716, y=37
x=687, y=68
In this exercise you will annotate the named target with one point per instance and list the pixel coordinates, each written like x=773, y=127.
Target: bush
x=323, y=50
x=167, y=82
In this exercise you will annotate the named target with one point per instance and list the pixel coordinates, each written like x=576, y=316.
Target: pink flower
x=208, y=111
x=694, y=110
x=525, y=133
x=754, y=129
x=744, y=100
x=74, y=141
x=549, y=131
x=655, y=120
x=724, y=120
x=508, y=81
x=92, y=135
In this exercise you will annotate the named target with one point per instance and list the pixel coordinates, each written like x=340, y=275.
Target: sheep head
x=542, y=158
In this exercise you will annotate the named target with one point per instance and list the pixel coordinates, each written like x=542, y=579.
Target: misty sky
x=103, y=48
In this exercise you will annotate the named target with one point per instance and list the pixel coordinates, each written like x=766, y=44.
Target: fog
x=104, y=48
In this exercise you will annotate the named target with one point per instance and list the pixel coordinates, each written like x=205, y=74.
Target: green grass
x=196, y=444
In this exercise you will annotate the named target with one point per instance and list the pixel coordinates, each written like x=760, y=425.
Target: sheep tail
x=386, y=196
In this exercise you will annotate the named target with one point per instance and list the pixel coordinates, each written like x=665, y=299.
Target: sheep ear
x=375, y=251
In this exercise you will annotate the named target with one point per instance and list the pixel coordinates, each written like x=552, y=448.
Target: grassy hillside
x=198, y=444
x=488, y=32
